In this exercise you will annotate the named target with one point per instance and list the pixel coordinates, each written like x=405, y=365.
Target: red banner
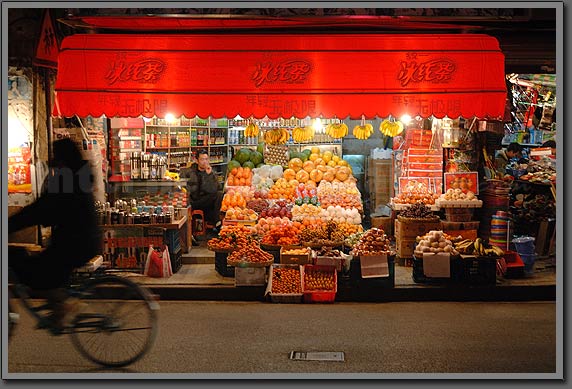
x=281, y=75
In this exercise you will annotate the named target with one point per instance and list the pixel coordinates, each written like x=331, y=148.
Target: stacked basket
x=499, y=230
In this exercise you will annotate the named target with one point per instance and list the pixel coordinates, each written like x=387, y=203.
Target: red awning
x=281, y=75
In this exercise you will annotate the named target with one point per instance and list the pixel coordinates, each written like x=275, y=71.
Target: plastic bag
x=158, y=263
x=276, y=172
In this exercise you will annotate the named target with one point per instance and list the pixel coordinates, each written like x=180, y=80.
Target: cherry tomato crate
x=288, y=298
x=319, y=296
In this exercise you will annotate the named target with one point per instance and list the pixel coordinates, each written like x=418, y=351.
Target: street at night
x=386, y=338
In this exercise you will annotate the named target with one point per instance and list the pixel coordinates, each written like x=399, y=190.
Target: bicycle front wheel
x=117, y=322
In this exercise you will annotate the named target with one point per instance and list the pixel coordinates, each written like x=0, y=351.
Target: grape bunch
x=257, y=205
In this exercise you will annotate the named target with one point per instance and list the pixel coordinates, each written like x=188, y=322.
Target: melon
x=256, y=157
x=243, y=155
x=248, y=164
x=260, y=147
x=233, y=164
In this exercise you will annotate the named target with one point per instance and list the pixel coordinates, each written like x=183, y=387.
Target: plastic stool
x=198, y=218
x=199, y=223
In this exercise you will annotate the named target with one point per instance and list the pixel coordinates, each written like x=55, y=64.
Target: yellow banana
x=337, y=130
x=389, y=128
x=363, y=132
x=252, y=130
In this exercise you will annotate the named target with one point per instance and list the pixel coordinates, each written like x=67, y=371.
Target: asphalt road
x=382, y=338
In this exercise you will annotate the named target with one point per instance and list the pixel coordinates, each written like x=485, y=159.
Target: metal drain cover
x=334, y=356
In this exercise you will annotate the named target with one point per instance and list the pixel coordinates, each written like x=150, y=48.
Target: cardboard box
x=414, y=229
x=294, y=259
x=466, y=234
x=250, y=276
x=336, y=262
x=404, y=247
x=383, y=222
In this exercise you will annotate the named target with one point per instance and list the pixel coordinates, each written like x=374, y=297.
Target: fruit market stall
x=289, y=194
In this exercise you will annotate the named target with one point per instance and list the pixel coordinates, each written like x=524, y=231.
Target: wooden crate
x=466, y=234
x=414, y=229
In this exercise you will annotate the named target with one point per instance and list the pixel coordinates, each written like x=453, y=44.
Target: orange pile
x=231, y=200
x=240, y=176
x=282, y=189
x=282, y=235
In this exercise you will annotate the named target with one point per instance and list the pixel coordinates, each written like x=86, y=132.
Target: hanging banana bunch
x=276, y=136
x=391, y=128
x=252, y=130
x=337, y=130
x=364, y=130
x=303, y=134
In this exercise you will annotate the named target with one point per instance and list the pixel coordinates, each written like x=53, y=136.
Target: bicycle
x=99, y=330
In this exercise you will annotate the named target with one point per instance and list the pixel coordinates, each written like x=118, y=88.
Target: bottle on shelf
x=135, y=165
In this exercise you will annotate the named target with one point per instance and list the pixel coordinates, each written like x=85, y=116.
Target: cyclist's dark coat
x=67, y=206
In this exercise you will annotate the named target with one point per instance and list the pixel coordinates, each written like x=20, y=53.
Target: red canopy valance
x=280, y=75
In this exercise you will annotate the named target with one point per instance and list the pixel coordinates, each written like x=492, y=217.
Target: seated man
x=503, y=156
x=202, y=188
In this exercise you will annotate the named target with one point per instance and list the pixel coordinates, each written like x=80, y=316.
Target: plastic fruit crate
x=221, y=265
x=514, y=265
x=376, y=282
x=420, y=278
x=478, y=270
x=284, y=297
x=319, y=296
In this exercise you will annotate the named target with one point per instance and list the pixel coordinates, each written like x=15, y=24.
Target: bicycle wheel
x=13, y=317
x=117, y=322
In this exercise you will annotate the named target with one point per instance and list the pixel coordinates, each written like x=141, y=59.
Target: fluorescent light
x=405, y=119
x=317, y=125
x=170, y=118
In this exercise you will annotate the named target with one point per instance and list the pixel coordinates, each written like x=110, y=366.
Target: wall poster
x=20, y=135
